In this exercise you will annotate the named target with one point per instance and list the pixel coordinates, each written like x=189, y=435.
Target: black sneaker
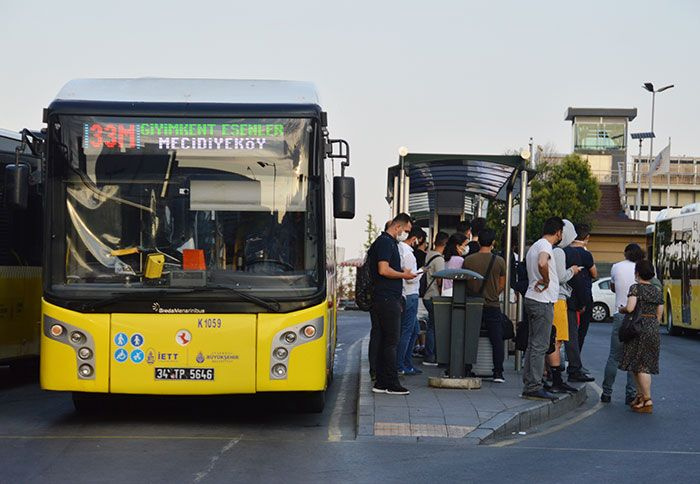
x=431, y=361
x=580, y=377
x=498, y=377
x=541, y=394
x=397, y=390
x=605, y=398
x=378, y=389
x=563, y=388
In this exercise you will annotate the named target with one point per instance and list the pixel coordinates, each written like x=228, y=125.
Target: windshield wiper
x=270, y=305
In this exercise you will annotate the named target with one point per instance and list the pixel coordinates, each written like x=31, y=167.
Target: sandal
x=644, y=406
x=636, y=401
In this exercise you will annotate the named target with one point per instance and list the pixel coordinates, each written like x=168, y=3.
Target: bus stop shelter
x=438, y=190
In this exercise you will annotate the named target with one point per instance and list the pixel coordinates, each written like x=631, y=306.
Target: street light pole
x=651, y=151
x=639, y=182
x=650, y=87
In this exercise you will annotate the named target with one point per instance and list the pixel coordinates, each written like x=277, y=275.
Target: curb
x=501, y=425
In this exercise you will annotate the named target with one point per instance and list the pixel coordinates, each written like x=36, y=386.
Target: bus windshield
x=159, y=202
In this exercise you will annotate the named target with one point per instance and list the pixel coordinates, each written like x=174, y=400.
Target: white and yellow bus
x=677, y=262
x=20, y=263
x=190, y=239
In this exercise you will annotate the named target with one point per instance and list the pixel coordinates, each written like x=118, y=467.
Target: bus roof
x=211, y=91
x=6, y=133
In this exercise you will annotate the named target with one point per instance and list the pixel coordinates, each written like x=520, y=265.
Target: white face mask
x=402, y=236
x=465, y=251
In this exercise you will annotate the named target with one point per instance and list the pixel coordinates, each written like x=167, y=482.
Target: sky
x=438, y=76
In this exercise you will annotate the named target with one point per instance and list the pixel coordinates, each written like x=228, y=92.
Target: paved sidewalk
x=494, y=411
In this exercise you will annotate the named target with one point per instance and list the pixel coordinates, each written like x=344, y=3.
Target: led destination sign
x=181, y=135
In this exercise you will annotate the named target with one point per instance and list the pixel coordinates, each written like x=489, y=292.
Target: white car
x=603, y=300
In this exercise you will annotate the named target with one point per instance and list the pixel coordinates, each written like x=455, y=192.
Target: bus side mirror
x=343, y=197
x=17, y=185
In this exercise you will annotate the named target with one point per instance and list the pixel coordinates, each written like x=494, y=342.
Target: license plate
x=184, y=373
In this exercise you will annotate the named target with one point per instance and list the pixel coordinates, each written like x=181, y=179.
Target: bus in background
x=677, y=262
x=20, y=263
x=190, y=239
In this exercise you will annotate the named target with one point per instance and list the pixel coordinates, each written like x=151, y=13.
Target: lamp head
x=664, y=88
x=648, y=86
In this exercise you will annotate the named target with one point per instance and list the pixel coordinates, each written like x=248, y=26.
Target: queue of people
x=558, y=272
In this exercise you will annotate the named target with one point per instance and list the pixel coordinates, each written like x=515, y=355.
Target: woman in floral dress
x=641, y=354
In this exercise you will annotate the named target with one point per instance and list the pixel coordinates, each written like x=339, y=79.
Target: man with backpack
x=430, y=288
x=384, y=265
x=493, y=269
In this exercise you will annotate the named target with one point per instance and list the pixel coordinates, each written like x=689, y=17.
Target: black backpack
x=364, y=286
x=423, y=283
x=521, y=280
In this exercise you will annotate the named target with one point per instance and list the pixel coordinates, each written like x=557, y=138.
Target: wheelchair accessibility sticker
x=121, y=355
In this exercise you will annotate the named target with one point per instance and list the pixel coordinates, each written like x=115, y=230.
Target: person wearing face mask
x=454, y=254
x=409, y=320
x=387, y=304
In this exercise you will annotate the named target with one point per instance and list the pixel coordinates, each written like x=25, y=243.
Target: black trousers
x=586, y=317
x=492, y=319
x=384, y=339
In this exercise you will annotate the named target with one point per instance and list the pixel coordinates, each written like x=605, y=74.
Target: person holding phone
x=542, y=293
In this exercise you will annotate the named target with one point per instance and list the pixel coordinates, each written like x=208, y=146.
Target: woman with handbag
x=640, y=353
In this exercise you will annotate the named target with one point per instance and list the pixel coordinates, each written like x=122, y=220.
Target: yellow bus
x=190, y=239
x=20, y=263
x=677, y=261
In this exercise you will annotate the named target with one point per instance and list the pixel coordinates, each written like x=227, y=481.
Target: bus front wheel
x=314, y=402
x=88, y=403
x=670, y=328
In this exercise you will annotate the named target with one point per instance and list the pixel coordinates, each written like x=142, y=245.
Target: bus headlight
x=85, y=353
x=309, y=331
x=85, y=371
x=281, y=353
x=57, y=330
x=76, y=337
x=290, y=337
x=279, y=370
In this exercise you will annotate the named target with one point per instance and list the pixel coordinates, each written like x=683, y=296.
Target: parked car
x=603, y=300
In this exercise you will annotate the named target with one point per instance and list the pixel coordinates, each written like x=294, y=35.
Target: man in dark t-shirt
x=478, y=224
x=584, y=279
x=387, y=302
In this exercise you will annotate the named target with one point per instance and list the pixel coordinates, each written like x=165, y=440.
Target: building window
x=600, y=136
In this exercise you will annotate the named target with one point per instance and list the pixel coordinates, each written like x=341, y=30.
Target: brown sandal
x=637, y=400
x=644, y=406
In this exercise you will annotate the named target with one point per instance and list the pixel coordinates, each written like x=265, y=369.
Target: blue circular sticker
x=137, y=356
x=121, y=355
x=120, y=339
x=136, y=340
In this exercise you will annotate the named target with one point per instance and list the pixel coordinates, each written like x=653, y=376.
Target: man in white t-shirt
x=409, y=320
x=542, y=293
x=622, y=278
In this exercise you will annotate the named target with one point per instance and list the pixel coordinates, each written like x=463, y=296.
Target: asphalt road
x=229, y=440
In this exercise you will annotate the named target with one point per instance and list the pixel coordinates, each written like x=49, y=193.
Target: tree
x=566, y=189
x=372, y=232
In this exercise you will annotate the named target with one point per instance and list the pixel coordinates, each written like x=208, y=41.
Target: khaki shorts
x=561, y=320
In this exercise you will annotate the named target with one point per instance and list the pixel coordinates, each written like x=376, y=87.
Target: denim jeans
x=430, y=329
x=409, y=334
x=493, y=322
x=386, y=323
x=540, y=316
x=614, y=361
